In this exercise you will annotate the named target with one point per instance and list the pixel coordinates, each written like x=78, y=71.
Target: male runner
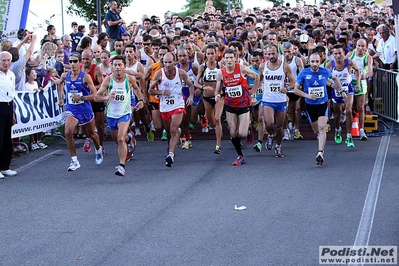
x=314, y=89
x=115, y=90
x=237, y=98
x=364, y=61
x=79, y=90
x=172, y=106
x=341, y=68
x=274, y=100
x=95, y=73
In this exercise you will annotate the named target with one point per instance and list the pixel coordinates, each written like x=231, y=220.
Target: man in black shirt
x=113, y=22
x=75, y=36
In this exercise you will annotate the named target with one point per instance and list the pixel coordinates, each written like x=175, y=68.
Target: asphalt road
x=185, y=215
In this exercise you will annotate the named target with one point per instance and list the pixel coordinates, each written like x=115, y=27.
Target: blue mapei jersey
x=77, y=87
x=315, y=83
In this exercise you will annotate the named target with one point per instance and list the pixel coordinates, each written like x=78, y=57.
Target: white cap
x=259, y=25
x=179, y=25
x=304, y=38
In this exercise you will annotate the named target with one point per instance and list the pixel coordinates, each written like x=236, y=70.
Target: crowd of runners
x=261, y=70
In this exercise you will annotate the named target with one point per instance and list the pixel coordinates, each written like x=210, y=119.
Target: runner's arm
x=89, y=84
x=101, y=95
x=61, y=90
x=155, y=82
x=248, y=72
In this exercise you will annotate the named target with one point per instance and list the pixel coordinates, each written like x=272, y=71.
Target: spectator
x=59, y=64
x=49, y=49
x=50, y=76
x=75, y=36
x=386, y=49
x=32, y=85
x=18, y=62
x=113, y=22
x=50, y=35
x=19, y=42
x=7, y=118
x=66, y=47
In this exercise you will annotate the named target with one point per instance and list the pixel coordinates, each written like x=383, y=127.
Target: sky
x=37, y=17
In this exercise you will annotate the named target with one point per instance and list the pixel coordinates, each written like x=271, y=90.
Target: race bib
x=260, y=90
x=234, y=92
x=170, y=100
x=275, y=87
x=70, y=98
x=339, y=93
x=120, y=95
x=319, y=91
x=211, y=76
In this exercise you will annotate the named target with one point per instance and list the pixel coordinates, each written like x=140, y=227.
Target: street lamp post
x=62, y=16
x=98, y=3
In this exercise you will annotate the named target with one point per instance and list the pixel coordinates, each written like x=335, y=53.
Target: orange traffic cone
x=355, y=126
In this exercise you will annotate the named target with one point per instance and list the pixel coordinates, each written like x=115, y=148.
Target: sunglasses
x=343, y=28
x=73, y=61
x=138, y=43
x=146, y=44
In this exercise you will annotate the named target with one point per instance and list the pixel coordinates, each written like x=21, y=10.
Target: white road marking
x=370, y=203
x=38, y=160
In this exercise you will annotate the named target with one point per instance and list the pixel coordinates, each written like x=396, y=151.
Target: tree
x=198, y=6
x=87, y=9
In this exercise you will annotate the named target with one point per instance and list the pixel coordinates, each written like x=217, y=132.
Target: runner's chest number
x=319, y=91
x=234, y=92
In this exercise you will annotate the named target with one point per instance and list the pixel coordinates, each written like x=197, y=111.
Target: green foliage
x=198, y=6
x=87, y=9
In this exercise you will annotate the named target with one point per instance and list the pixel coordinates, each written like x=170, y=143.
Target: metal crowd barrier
x=386, y=94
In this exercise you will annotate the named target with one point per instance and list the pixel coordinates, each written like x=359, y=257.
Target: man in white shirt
x=386, y=48
x=7, y=118
x=20, y=38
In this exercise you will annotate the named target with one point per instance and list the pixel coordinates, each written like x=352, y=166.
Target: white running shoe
x=120, y=171
x=74, y=165
x=41, y=145
x=152, y=126
x=9, y=172
x=99, y=156
x=287, y=135
x=34, y=146
x=362, y=134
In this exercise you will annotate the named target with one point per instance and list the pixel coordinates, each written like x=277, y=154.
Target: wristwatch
x=82, y=98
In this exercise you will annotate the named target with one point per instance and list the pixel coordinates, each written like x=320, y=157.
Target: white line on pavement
x=370, y=203
x=38, y=160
